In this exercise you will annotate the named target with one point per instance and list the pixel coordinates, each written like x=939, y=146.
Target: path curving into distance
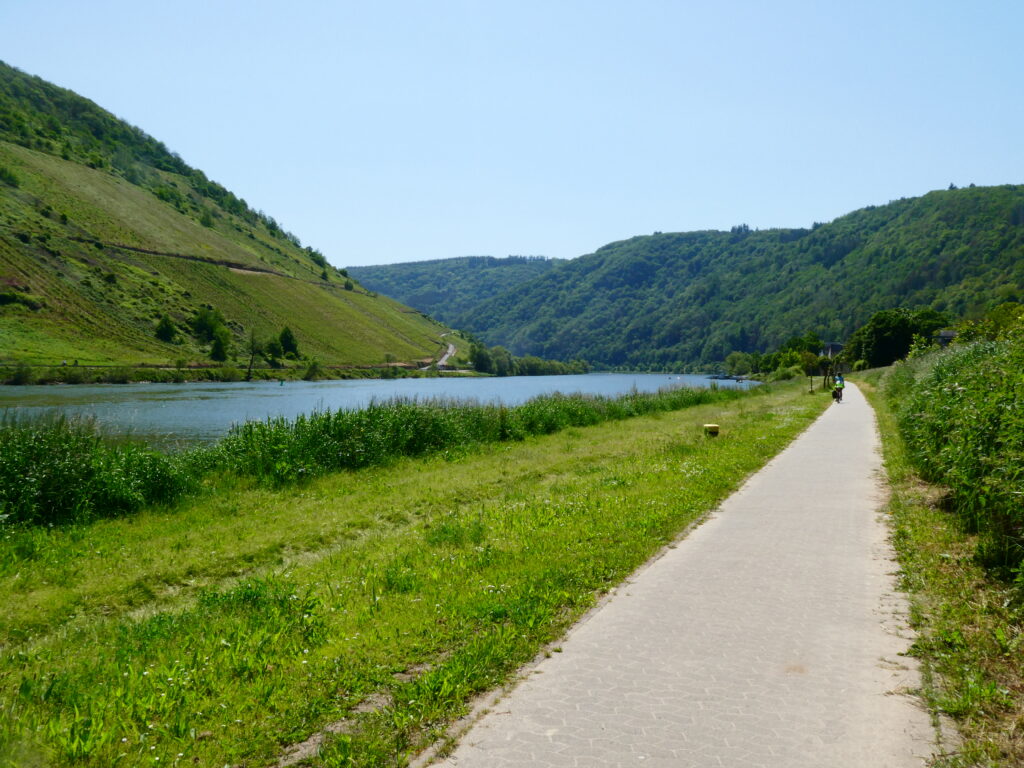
x=770, y=636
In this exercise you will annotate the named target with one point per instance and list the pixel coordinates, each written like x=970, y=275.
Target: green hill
x=688, y=299
x=103, y=232
x=447, y=288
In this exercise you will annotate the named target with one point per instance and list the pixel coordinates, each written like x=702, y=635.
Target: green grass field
x=247, y=620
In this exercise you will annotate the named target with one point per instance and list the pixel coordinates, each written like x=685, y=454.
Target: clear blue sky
x=383, y=131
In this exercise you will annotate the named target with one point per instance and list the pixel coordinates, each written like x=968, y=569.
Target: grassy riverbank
x=368, y=606
x=23, y=373
x=55, y=470
x=970, y=622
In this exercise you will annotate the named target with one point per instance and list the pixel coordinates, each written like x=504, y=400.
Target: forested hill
x=106, y=235
x=691, y=298
x=448, y=288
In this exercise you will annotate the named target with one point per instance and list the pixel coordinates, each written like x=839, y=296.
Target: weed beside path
x=380, y=601
x=970, y=625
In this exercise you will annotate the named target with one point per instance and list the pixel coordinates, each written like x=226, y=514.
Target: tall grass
x=281, y=451
x=55, y=470
x=961, y=413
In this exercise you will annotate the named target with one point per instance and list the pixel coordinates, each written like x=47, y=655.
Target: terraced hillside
x=103, y=233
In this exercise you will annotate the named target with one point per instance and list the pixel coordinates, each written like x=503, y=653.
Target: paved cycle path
x=769, y=636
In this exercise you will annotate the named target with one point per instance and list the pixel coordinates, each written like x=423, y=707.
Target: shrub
x=22, y=374
x=8, y=177
x=961, y=417
x=55, y=470
x=166, y=330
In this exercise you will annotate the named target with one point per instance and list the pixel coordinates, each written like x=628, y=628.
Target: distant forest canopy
x=685, y=301
x=447, y=288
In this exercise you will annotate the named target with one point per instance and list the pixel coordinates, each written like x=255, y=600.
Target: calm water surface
x=182, y=414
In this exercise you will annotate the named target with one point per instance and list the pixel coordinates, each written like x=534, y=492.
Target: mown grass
x=970, y=623
x=251, y=618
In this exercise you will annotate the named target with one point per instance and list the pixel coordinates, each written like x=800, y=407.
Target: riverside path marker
x=770, y=636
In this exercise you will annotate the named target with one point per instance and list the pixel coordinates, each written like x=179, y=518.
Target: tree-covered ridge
x=692, y=298
x=447, y=288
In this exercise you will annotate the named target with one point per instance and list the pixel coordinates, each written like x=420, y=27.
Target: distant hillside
x=448, y=288
x=691, y=298
x=103, y=232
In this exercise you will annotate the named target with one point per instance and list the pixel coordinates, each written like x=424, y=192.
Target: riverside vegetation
x=358, y=610
x=953, y=435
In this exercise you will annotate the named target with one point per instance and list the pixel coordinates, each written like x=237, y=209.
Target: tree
x=738, y=364
x=272, y=350
x=504, y=362
x=889, y=333
x=481, y=358
x=253, y=347
x=220, y=347
x=206, y=322
x=289, y=343
x=166, y=330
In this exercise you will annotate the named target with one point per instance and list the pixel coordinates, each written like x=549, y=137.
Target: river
x=170, y=415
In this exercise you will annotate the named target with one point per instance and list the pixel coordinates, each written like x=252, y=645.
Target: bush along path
x=954, y=418
x=770, y=636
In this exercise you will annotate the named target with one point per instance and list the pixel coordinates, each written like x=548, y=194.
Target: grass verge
x=362, y=609
x=970, y=634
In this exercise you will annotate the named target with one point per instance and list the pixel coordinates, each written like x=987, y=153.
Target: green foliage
x=967, y=624
x=206, y=322
x=166, y=330
x=501, y=362
x=689, y=299
x=8, y=177
x=273, y=349
x=739, y=363
x=278, y=450
x=289, y=343
x=960, y=417
x=22, y=374
x=448, y=288
x=57, y=471
x=24, y=299
x=220, y=346
x=889, y=334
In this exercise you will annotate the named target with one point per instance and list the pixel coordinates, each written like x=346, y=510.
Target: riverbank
x=362, y=609
x=149, y=374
